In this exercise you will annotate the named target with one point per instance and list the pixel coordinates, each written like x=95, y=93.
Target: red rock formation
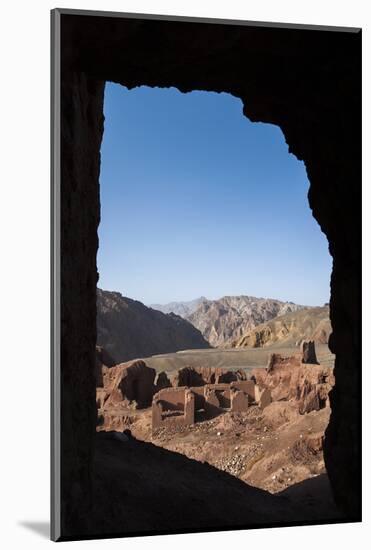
x=191, y=376
x=291, y=380
x=162, y=381
x=129, y=384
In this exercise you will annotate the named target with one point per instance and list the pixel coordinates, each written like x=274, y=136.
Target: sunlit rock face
x=226, y=320
x=308, y=83
x=293, y=379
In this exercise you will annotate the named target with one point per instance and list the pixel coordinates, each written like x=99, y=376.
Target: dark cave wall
x=308, y=83
x=82, y=128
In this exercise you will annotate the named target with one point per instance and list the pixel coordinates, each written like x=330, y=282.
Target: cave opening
x=288, y=81
x=198, y=201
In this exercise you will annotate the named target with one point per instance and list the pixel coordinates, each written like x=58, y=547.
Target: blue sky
x=197, y=200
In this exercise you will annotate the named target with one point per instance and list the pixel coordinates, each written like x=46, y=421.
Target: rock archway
x=308, y=82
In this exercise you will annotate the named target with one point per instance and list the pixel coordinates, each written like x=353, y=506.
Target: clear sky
x=197, y=200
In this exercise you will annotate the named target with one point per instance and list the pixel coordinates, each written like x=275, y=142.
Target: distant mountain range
x=127, y=329
x=184, y=309
x=227, y=319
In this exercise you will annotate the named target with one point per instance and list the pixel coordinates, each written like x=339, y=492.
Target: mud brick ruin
x=177, y=406
x=196, y=393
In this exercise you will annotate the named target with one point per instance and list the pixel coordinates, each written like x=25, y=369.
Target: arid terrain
x=241, y=358
x=127, y=329
x=238, y=386
x=271, y=448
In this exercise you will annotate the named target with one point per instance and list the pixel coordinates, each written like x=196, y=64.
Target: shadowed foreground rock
x=139, y=487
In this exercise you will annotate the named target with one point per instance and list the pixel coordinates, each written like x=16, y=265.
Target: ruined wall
x=306, y=82
x=168, y=400
x=173, y=397
x=247, y=386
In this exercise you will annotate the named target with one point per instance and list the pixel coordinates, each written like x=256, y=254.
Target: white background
x=24, y=285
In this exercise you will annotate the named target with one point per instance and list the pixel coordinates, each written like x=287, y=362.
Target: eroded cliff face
x=312, y=323
x=306, y=82
x=227, y=319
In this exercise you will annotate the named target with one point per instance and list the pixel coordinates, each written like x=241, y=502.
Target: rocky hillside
x=184, y=309
x=127, y=329
x=312, y=323
x=225, y=320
